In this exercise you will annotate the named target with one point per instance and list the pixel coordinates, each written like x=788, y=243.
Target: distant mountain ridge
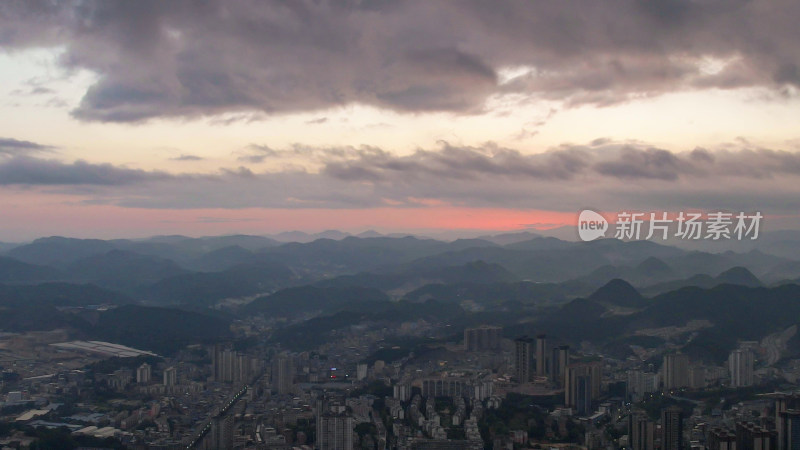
x=294, y=301
x=15, y=271
x=473, y=272
x=122, y=269
x=206, y=288
x=620, y=293
x=182, y=270
x=736, y=275
x=734, y=312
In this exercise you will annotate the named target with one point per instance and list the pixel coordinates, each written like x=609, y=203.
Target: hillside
x=734, y=312
x=302, y=300
x=477, y=272
x=619, y=293
x=122, y=269
x=58, y=250
x=206, y=288
x=58, y=294
x=15, y=271
x=162, y=330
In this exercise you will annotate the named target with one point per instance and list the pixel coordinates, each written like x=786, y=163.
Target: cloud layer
x=31, y=171
x=183, y=58
x=602, y=174
x=11, y=147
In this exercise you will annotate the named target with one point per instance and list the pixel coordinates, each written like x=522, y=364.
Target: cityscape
x=307, y=350
x=399, y=225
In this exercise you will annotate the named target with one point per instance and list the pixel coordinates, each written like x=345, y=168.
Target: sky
x=139, y=118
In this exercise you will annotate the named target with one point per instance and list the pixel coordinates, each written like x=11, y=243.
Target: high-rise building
x=721, y=439
x=641, y=383
x=672, y=429
x=788, y=429
x=335, y=432
x=697, y=377
x=582, y=388
x=401, y=391
x=221, y=434
x=170, y=376
x=523, y=359
x=242, y=368
x=740, y=366
x=144, y=374
x=483, y=338
x=642, y=432
x=120, y=379
x=675, y=371
x=787, y=422
x=582, y=385
x=444, y=387
x=558, y=364
x=750, y=436
x=541, y=355
x=361, y=371
x=231, y=366
x=222, y=359
x=282, y=374
x=454, y=387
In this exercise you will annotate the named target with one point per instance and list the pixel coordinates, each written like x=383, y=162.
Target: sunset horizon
x=137, y=120
x=400, y=224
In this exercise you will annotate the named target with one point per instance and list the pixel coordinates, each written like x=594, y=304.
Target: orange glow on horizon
x=67, y=216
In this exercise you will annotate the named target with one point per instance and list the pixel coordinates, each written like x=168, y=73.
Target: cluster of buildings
x=537, y=358
x=677, y=372
x=339, y=397
x=776, y=427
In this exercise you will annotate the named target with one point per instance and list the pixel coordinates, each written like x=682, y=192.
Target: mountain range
x=606, y=291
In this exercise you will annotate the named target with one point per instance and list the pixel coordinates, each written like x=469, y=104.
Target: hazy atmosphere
x=400, y=225
x=130, y=119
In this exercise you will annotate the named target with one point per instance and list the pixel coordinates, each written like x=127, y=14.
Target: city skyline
x=400, y=225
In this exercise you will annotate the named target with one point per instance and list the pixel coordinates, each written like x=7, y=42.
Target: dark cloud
x=604, y=174
x=601, y=158
x=701, y=155
x=22, y=170
x=224, y=219
x=10, y=147
x=185, y=157
x=757, y=163
x=255, y=154
x=450, y=162
x=31, y=91
x=648, y=163
x=184, y=58
x=600, y=161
